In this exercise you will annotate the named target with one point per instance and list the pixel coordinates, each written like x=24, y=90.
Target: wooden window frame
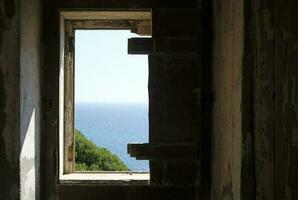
x=136, y=21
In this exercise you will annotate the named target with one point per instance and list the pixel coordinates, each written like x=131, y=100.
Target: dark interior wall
x=254, y=143
x=267, y=149
x=31, y=55
x=272, y=29
x=20, y=123
x=9, y=99
x=286, y=99
x=263, y=62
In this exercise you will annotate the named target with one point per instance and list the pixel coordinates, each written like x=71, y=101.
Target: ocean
x=113, y=126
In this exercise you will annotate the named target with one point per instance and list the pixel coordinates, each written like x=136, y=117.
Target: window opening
x=111, y=101
x=82, y=83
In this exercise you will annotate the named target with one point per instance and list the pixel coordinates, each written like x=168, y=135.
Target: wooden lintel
x=103, y=15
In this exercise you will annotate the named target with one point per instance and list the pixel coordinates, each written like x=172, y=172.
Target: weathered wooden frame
x=137, y=21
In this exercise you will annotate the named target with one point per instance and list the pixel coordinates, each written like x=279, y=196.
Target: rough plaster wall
x=227, y=67
x=9, y=99
x=30, y=91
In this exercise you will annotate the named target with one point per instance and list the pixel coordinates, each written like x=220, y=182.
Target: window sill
x=106, y=178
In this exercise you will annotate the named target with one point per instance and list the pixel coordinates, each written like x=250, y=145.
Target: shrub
x=89, y=157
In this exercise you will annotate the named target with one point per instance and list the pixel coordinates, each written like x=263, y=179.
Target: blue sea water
x=113, y=126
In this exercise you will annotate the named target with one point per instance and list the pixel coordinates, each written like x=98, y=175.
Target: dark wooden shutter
x=175, y=76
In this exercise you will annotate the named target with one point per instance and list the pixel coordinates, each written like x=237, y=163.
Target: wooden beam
x=106, y=15
x=140, y=46
x=125, y=4
x=143, y=29
x=177, y=22
x=163, y=151
x=156, y=46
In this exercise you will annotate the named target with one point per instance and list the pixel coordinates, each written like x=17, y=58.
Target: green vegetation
x=89, y=157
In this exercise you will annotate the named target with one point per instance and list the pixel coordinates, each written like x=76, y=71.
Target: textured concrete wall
x=19, y=104
x=30, y=98
x=227, y=87
x=9, y=99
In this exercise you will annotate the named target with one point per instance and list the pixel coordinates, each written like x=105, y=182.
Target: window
x=73, y=26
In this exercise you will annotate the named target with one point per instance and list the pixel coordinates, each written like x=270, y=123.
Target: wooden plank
x=174, y=98
x=177, y=45
x=140, y=46
x=125, y=4
x=169, y=46
x=174, y=85
x=248, y=180
x=106, y=15
x=143, y=29
x=286, y=99
x=69, y=149
x=263, y=100
x=174, y=92
x=178, y=22
x=107, y=24
x=226, y=74
x=163, y=151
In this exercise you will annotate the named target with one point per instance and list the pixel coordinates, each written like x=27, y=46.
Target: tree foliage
x=89, y=157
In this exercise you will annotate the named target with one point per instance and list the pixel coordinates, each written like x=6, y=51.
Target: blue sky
x=104, y=72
